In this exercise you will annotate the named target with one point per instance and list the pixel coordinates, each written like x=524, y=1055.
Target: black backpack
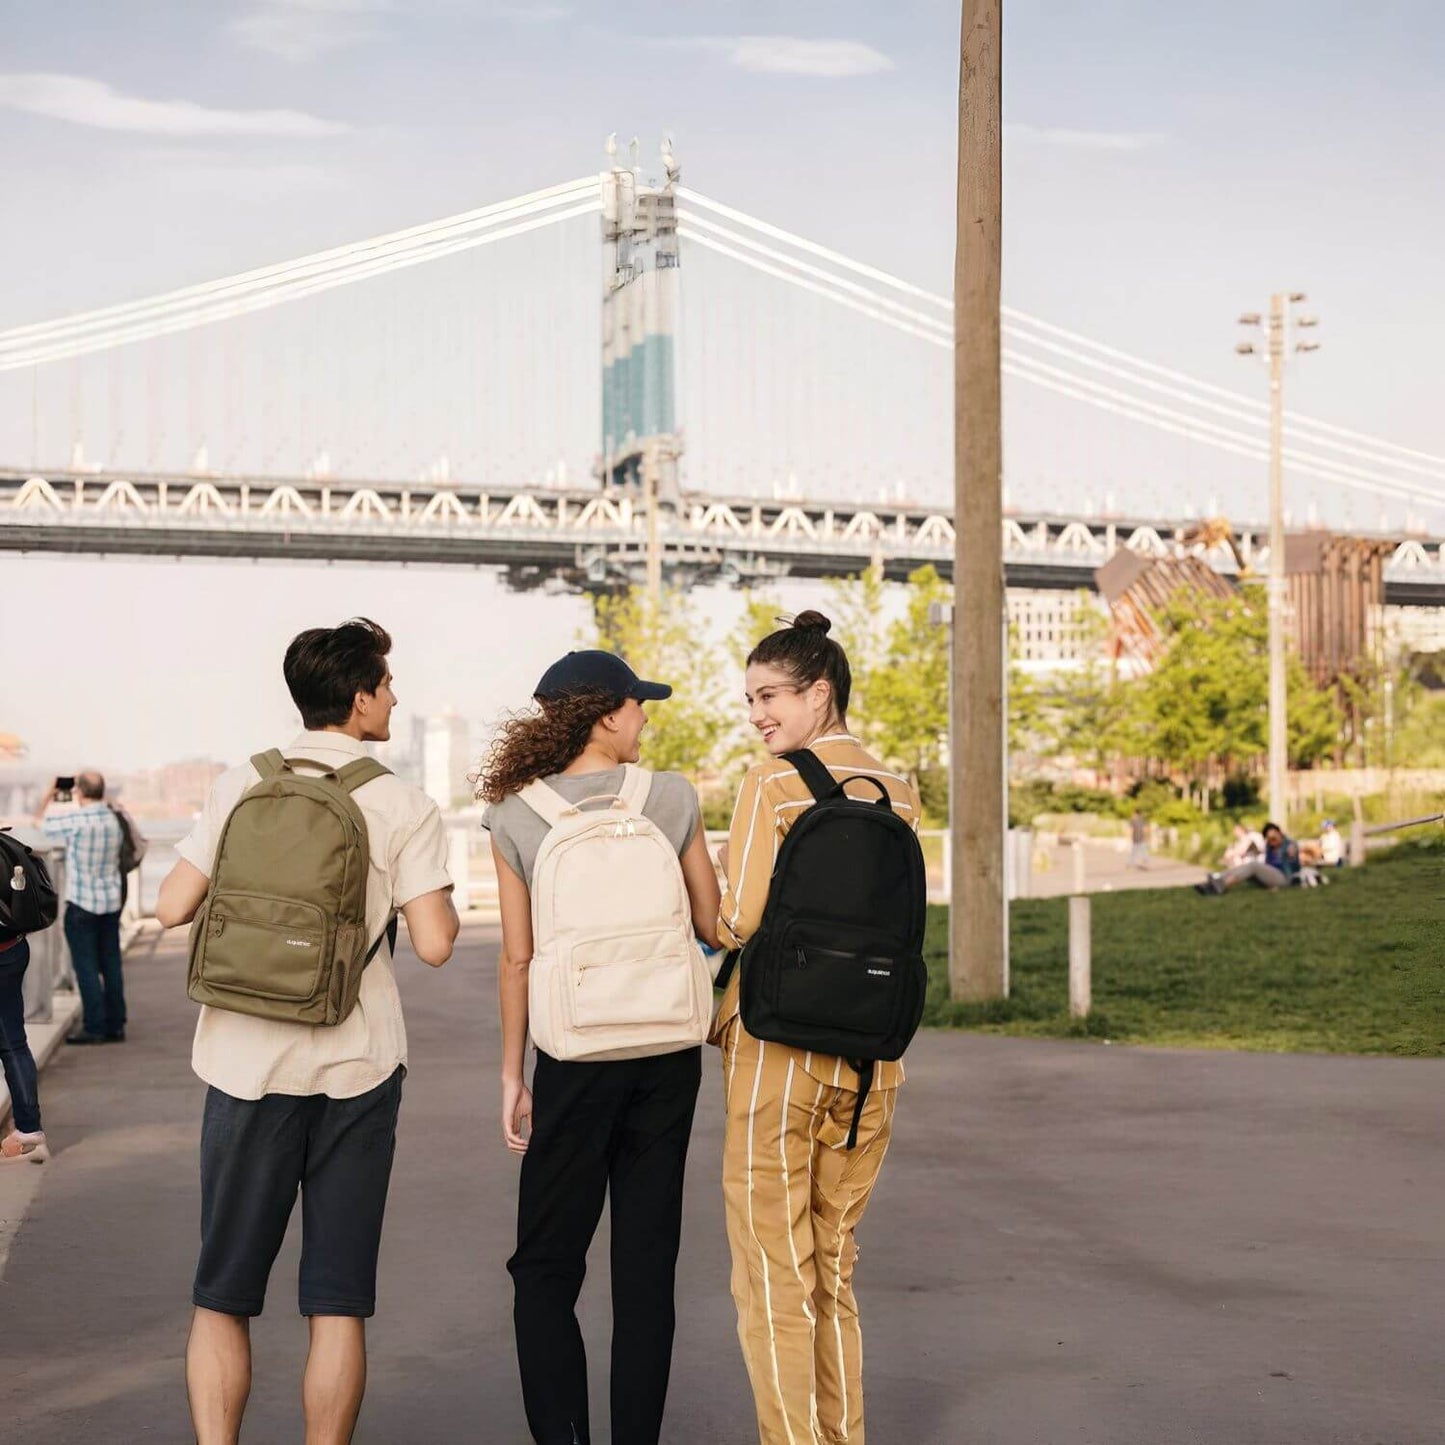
x=28, y=909
x=133, y=843
x=836, y=965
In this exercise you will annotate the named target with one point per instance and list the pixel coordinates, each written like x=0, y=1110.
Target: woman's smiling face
x=787, y=715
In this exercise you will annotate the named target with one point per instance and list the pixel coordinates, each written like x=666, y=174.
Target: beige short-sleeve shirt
x=247, y=1057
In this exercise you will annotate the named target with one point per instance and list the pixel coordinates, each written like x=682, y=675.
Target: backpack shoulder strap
x=363, y=770
x=387, y=936
x=269, y=763
x=820, y=781
x=546, y=802
x=636, y=785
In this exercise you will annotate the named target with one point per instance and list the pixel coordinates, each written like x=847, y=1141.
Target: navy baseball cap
x=604, y=671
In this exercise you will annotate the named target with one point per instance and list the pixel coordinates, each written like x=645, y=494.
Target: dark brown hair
x=806, y=653
x=326, y=667
x=539, y=742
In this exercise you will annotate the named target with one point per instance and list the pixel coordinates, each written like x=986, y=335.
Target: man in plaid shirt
x=92, y=837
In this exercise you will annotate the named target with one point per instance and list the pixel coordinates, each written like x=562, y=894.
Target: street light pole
x=1278, y=728
x=1277, y=346
x=978, y=921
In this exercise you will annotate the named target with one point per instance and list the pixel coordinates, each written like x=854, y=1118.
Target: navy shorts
x=256, y=1154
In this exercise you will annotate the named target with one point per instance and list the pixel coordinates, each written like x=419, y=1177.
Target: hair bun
x=811, y=621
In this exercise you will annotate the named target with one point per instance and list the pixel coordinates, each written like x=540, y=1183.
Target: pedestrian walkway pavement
x=1106, y=870
x=1071, y=1244
x=44, y=1039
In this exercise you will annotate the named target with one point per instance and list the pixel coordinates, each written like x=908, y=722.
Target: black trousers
x=620, y=1127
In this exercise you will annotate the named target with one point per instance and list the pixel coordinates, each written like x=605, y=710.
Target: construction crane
x=1210, y=533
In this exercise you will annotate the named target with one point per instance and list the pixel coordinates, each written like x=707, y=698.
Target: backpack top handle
x=886, y=801
x=350, y=775
x=551, y=806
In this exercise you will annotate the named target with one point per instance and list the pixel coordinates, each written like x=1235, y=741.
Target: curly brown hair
x=537, y=742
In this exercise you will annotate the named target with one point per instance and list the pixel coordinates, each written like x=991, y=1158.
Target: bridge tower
x=641, y=442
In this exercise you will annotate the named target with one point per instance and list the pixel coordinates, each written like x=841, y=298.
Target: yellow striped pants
x=794, y=1196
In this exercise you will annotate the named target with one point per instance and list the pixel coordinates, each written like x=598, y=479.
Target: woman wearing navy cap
x=592, y=1128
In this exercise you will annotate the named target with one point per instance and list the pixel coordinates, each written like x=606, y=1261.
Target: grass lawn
x=1356, y=967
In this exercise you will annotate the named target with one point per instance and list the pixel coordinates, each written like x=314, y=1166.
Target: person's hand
x=516, y=1110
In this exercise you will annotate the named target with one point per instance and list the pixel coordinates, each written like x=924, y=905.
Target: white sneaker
x=16, y=1146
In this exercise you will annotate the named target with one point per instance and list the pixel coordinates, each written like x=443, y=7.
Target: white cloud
x=300, y=30
x=793, y=55
x=1067, y=138
x=84, y=101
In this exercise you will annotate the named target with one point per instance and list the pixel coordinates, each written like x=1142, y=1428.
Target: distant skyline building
x=1414, y=629
x=174, y=790
x=446, y=759
x=1056, y=630
x=403, y=752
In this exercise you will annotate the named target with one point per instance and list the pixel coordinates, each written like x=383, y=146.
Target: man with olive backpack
x=294, y=874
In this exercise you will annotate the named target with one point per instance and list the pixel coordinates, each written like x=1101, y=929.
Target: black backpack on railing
x=836, y=965
x=133, y=843
x=31, y=907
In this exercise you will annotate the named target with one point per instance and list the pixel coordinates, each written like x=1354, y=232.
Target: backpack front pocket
x=864, y=991
x=631, y=979
x=264, y=947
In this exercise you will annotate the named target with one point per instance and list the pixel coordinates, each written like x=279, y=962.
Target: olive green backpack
x=282, y=933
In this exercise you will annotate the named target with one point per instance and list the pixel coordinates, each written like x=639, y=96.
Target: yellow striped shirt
x=771, y=798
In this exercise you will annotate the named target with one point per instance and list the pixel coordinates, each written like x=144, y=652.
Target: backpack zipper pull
x=218, y=923
x=802, y=957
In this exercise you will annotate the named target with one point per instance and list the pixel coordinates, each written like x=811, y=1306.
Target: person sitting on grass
x=1277, y=869
x=1247, y=844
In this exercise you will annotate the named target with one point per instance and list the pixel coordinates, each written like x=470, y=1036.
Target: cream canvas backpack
x=616, y=971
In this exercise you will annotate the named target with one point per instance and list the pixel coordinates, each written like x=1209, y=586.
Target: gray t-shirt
x=518, y=831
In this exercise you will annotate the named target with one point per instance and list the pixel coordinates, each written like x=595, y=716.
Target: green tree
x=762, y=613
x=858, y=607
x=670, y=643
x=906, y=704
x=1095, y=715
x=1204, y=706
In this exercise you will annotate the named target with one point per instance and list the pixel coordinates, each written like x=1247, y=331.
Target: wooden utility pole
x=978, y=928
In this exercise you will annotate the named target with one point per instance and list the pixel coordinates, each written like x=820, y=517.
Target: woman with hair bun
x=794, y=1191
x=592, y=1129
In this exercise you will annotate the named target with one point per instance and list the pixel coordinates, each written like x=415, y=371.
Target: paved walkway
x=1106, y=870
x=1071, y=1245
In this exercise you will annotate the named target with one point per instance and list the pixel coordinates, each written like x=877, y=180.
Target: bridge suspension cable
x=866, y=290
x=1079, y=388
x=289, y=280
x=1022, y=328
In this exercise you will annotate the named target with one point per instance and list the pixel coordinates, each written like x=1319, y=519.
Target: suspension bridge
x=433, y=395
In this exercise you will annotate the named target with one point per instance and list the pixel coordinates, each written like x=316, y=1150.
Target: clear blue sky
x=1166, y=167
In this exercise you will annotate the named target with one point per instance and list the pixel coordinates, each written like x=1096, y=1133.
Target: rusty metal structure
x=1336, y=595
x=1138, y=588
